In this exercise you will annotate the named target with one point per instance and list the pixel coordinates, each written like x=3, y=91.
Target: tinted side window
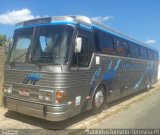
x=134, y=49
x=121, y=47
x=143, y=52
x=118, y=46
x=155, y=56
x=125, y=48
x=103, y=42
x=150, y=54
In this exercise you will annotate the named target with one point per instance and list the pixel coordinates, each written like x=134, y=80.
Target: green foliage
x=3, y=40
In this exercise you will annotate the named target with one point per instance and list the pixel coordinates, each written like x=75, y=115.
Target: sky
x=139, y=19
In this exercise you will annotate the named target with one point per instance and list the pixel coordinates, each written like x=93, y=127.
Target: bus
x=59, y=67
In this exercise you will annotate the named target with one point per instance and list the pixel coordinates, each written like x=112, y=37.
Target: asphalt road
x=142, y=115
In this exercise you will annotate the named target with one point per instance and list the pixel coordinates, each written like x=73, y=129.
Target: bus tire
x=98, y=101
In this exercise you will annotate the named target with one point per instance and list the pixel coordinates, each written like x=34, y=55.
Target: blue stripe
x=117, y=65
x=110, y=65
x=63, y=22
x=86, y=27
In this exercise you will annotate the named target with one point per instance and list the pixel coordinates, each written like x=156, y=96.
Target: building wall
x=2, y=60
x=159, y=72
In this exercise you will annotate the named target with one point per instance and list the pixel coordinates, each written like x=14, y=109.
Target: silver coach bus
x=58, y=67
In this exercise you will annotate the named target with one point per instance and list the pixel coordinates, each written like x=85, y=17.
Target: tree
x=3, y=40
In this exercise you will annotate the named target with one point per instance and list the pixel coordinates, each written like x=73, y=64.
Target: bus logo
x=32, y=78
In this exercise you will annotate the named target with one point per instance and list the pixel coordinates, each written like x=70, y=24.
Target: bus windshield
x=43, y=44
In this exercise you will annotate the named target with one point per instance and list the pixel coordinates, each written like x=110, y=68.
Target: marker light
x=48, y=96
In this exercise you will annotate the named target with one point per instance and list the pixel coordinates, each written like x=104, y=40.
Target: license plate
x=24, y=93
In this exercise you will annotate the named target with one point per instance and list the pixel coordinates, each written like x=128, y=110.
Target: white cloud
x=150, y=41
x=102, y=19
x=15, y=16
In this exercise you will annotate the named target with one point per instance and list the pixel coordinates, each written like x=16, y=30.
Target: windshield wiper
x=13, y=62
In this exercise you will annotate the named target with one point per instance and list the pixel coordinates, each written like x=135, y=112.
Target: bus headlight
x=46, y=95
x=41, y=95
x=8, y=89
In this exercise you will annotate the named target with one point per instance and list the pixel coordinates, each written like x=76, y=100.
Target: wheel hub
x=99, y=99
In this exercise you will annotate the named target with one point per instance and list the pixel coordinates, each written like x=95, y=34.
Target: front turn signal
x=61, y=96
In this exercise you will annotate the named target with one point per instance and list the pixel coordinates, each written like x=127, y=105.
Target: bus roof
x=84, y=22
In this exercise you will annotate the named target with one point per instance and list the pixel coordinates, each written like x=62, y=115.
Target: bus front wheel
x=98, y=102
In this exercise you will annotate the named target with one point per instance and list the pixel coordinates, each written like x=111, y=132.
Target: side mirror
x=78, y=45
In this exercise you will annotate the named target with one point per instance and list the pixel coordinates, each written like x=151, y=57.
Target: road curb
x=94, y=120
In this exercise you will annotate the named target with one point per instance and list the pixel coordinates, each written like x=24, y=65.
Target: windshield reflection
x=47, y=44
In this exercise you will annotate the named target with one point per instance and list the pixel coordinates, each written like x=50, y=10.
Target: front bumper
x=50, y=113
